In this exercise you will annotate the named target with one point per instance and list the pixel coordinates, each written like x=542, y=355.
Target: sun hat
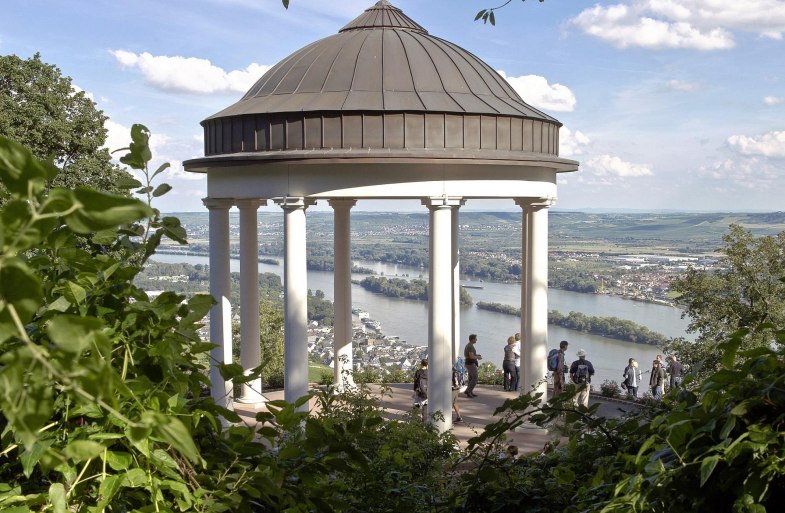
x=581, y=352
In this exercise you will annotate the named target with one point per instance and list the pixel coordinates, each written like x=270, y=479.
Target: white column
x=342, y=333
x=440, y=325
x=295, y=286
x=534, y=346
x=250, y=344
x=525, y=293
x=220, y=289
x=456, y=287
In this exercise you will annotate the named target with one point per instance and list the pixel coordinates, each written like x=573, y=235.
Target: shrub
x=326, y=378
x=610, y=388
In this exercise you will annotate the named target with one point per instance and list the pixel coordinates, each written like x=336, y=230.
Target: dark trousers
x=509, y=374
x=471, y=369
x=517, y=377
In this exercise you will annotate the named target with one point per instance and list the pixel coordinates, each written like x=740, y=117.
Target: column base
x=253, y=399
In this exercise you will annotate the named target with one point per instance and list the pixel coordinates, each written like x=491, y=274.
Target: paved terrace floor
x=476, y=412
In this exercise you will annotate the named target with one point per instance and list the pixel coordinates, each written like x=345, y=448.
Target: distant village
x=371, y=347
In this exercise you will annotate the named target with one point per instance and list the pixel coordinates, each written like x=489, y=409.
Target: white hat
x=581, y=353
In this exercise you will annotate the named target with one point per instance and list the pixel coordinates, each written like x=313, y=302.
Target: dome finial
x=383, y=14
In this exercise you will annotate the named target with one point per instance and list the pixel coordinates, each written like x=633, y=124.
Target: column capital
x=536, y=204
x=294, y=202
x=218, y=203
x=253, y=203
x=337, y=203
x=443, y=201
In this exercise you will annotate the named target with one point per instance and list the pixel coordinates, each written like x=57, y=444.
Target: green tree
x=41, y=109
x=746, y=289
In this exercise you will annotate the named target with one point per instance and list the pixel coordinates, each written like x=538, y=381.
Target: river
x=409, y=319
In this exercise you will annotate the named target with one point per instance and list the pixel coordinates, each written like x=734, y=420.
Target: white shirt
x=516, y=350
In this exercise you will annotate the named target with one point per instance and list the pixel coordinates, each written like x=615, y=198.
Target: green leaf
x=127, y=181
x=492, y=18
x=72, y=333
x=285, y=4
x=107, y=490
x=82, y=450
x=230, y=371
x=119, y=460
x=173, y=431
x=160, y=169
x=707, y=467
x=479, y=15
x=161, y=190
x=135, y=478
x=74, y=293
x=20, y=287
x=32, y=455
x=57, y=497
x=20, y=170
x=99, y=211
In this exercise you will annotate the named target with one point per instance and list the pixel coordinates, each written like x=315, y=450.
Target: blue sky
x=667, y=104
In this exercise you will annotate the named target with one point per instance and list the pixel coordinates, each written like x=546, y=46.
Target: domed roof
x=383, y=61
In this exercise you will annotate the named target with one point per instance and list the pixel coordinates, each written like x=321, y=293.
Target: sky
x=666, y=104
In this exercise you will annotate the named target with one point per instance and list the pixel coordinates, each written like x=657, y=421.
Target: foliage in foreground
x=102, y=410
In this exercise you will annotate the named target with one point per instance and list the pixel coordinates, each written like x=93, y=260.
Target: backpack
x=582, y=374
x=553, y=359
x=459, y=371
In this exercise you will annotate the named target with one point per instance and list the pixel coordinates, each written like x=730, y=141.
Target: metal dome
x=381, y=83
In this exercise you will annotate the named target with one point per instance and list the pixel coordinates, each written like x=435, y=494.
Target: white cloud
x=118, y=136
x=610, y=166
x=693, y=24
x=572, y=143
x=771, y=144
x=753, y=173
x=537, y=92
x=189, y=74
x=773, y=100
x=683, y=86
x=624, y=26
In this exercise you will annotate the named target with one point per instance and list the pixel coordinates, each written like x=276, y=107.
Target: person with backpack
x=458, y=382
x=557, y=366
x=632, y=378
x=581, y=372
x=421, y=389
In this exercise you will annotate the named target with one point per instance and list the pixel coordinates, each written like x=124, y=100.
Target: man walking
x=581, y=372
x=472, y=362
x=558, y=374
x=676, y=371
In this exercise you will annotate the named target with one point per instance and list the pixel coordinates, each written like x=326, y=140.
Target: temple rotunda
x=380, y=110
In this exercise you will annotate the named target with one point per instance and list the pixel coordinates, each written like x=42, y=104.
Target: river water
x=408, y=319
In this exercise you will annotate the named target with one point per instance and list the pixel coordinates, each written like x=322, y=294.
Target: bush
x=488, y=374
x=326, y=378
x=367, y=375
x=610, y=388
